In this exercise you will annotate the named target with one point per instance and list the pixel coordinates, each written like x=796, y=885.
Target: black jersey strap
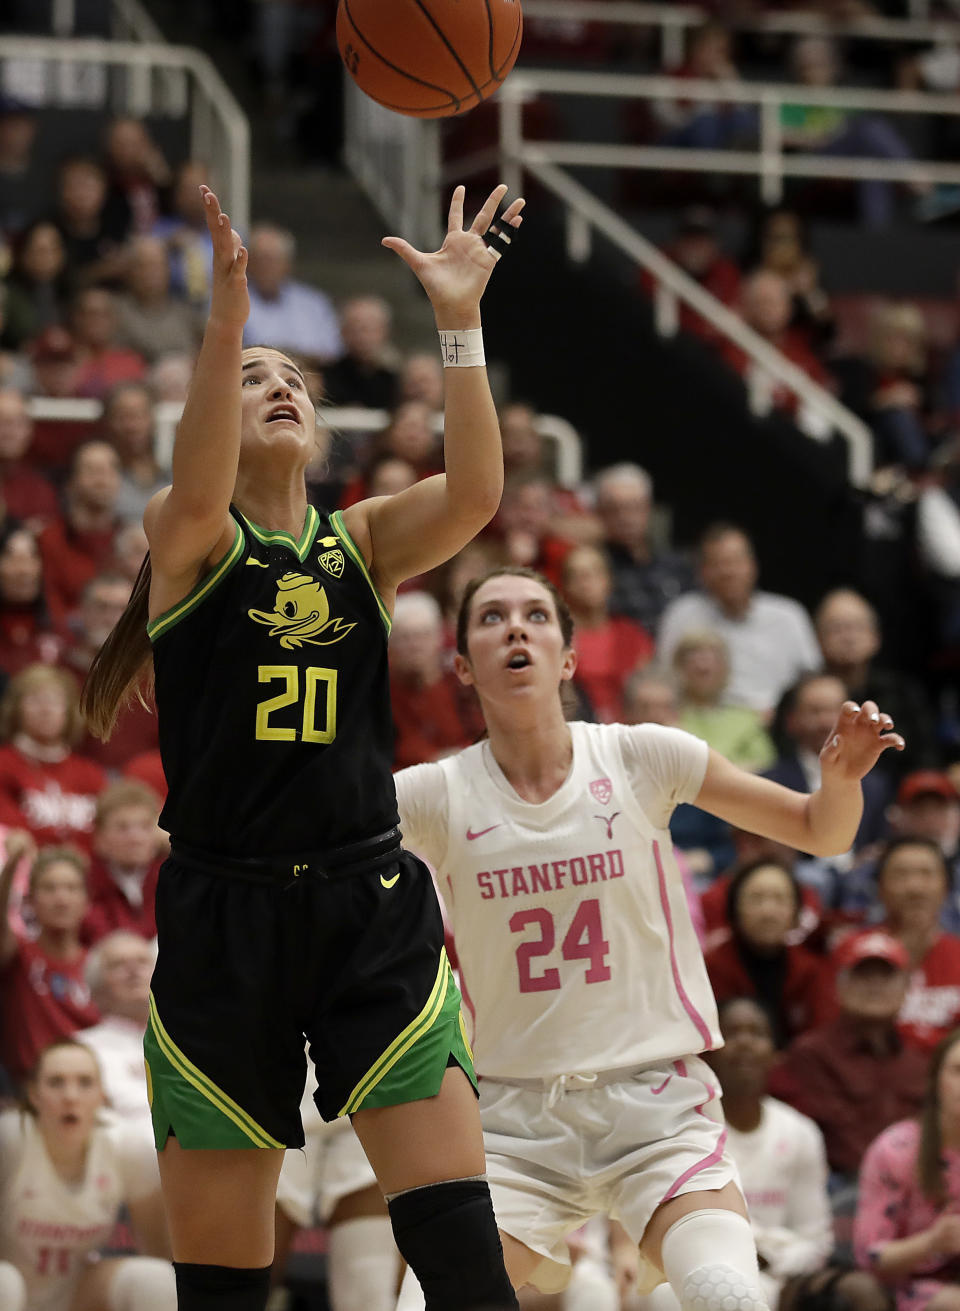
x=368, y=855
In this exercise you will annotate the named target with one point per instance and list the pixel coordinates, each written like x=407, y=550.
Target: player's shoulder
x=17, y=1131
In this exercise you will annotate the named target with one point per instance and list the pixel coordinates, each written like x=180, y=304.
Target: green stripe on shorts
x=187, y=1102
x=412, y=1067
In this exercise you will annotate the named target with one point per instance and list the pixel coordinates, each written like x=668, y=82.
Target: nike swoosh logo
x=258, y=563
x=388, y=883
x=472, y=837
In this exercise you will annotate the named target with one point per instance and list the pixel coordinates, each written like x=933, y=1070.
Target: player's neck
x=276, y=505
x=535, y=756
x=69, y=1160
x=742, y=1113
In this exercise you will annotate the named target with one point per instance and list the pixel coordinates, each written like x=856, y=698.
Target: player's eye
x=539, y=613
x=295, y=381
x=489, y=614
x=249, y=377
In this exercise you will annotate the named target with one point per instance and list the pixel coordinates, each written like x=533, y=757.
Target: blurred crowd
x=837, y=978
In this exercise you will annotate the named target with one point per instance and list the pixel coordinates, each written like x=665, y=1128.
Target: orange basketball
x=429, y=58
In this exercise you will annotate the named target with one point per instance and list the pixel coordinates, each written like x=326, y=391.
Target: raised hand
x=456, y=275
x=229, y=300
x=857, y=741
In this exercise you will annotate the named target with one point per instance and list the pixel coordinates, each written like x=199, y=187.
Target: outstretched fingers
x=455, y=214
x=512, y=214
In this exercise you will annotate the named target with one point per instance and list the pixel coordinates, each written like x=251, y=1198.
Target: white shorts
x=331, y=1166
x=617, y=1144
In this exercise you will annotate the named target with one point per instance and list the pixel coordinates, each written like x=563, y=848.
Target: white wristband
x=461, y=348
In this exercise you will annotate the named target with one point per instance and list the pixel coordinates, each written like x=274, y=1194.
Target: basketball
x=429, y=58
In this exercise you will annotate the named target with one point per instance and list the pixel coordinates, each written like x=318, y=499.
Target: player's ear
x=461, y=667
x=569, y=666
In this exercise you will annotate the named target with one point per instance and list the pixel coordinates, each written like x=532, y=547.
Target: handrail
x=213, y=102
x=675, y=21
x=562, y=435
x=822, y=406
x=769, y=162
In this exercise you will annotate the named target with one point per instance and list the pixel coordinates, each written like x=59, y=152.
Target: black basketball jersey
x=273, y=697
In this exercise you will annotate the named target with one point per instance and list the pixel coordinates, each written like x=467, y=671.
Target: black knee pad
x=448, y=1236
x=221, y=1287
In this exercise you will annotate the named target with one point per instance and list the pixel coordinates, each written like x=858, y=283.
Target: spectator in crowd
x=892, y=387
x=912, y=885
x=779, y=1153
x=27, y=635
x=645, y=579
x=649, y=698
x=770, y=637
x=127, y=424
x=147, y=768
x=701, y=662
x=388, y=474
x=609, y=647
x=365, y=372
x=36, y=286
x=525, y=522
x=93, y=230
x=698, y=123
x=66, y=1172
x=524, y=453
x=137, y=171
x=151, y=321
x=766, y=305
x=289, y=314
x=809, y=710
x=184, y=233
x=80, y=544
x=432, y=716
x=22, y=176
x=906, y=1229
x=45, y=785
x=783, y=247
x=129, y=548
x=855, y=1075
x=118, y=970
x=42, y=985
x=408, y=436
x=169, y=378
x=102, y=363
x=816, y=129
x=55, y=361
x=127, y=852
x=25, y=493
x=848, y=630
x=421, y=379
x=696, y=247
x=15, y=370
x=757, y=960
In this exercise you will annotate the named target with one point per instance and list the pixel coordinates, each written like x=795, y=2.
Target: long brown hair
x=930, y=1153
x=123, y=667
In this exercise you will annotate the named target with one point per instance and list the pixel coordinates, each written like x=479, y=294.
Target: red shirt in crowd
x=111, y=908
x=71, y=557
x=803, y=998
x=41, y=999
x=932, y=1006
x=55, y=800
x=605, y=656
x=713, y=903
x=55, y=440
x=100, y=373
x=795, y=348
x=148, y=769
x=430, y=721
x=27, y=494
x=25, y=639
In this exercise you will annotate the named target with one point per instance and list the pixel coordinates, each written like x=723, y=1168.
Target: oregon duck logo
x=301, y=614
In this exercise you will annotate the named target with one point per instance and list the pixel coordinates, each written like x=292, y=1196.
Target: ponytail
x=122, y=668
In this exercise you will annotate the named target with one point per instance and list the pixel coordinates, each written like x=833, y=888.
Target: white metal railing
x=123, y=77
x=770, y=162
x=131, y=22
x=675, y=21
x=561, y=436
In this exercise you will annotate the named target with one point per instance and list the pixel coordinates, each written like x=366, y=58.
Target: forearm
x=902, y=1256
x=473, y=457
x=8, y=941
x=832, y=816
x=207, y=447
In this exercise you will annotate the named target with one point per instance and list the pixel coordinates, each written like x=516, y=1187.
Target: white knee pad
x=362, y=1265
x=710, y=1259
x=13, y=1291
x=142, y=1283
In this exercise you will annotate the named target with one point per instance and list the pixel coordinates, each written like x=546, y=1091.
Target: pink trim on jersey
x=655, y=1092
x=713, y=1157
x=696, y=1018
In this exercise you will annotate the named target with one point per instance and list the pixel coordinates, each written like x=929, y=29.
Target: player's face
x=66, y=1093
x=514, y=642
x=59, y=898
x=913, y=886
x=275, y=405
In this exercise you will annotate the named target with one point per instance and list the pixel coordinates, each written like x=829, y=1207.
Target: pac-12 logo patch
x=332, y=561
x=602, y=789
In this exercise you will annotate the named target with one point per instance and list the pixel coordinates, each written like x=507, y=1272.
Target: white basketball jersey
x=576, y=948
x=49, y=1228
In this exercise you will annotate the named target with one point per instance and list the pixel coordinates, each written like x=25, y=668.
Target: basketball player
x=63, y=1174
x=287, y=906
x=579, y=962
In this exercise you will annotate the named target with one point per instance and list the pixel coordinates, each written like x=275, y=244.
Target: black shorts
x=250, y=968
